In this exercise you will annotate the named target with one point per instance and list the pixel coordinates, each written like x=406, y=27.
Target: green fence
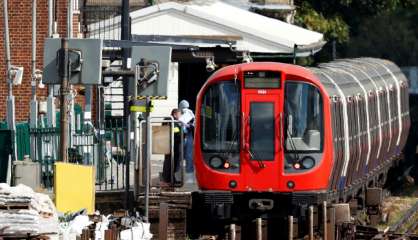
x=5, y=150
x=22, y=138
x=104, y=148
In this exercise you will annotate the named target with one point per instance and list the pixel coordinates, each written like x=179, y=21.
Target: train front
x=260, y=128
x=262, y=147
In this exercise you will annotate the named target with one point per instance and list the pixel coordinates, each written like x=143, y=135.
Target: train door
x=262, y=134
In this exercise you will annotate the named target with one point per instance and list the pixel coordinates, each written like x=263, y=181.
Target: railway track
x=404, y=228
x=408, y=223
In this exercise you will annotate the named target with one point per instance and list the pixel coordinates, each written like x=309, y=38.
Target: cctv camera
x=210, y=68
x=210, y=64
x=16, y=75
x=246, y=57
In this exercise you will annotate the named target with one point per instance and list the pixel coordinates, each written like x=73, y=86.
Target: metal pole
x=295, y=47
x=7, y=45
x=70, y=19
x=173, y=167
x=50, y=17
x=290, y=227
x=125, y=35
x=232, y=232
x=148, y=157
x=259, y=227
x=11, y=120
x=311, y=219
x=65, y=90
x=325, y=220
x=70, y=98
x=50, y=101
x=33, y=102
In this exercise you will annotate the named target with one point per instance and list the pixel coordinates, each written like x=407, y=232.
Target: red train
x=272, y=139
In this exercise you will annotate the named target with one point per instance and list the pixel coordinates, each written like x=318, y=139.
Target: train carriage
x=272, y=138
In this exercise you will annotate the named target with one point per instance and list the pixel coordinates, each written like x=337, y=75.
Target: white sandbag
x=101, y=227
x=140, y=232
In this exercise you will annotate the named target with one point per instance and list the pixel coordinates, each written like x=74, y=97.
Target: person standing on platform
x=167, y=172
x=187, y=119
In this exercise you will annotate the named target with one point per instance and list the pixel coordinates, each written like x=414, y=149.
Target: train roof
x=358, y=75
x=353, y=77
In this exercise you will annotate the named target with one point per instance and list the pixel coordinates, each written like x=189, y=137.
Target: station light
x=210, y=64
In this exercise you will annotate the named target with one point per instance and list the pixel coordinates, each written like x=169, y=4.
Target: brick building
x=20, y=27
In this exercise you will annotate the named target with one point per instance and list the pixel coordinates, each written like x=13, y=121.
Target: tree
x=380, y=28
x=333, y=27
x=392, y=36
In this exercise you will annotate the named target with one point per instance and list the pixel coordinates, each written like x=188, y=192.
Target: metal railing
x=155, y=163
x=85, y=148
x=106, y=149
x=45, y=144
x=148, y=166
x=110, y=165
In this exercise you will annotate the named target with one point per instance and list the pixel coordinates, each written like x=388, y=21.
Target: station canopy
x=215, y=20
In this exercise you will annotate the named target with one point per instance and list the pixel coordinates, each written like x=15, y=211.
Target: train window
x=304, y=117
x=220, y=123
x=262, y=130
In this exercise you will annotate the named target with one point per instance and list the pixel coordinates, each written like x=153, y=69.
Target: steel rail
x=405, y=219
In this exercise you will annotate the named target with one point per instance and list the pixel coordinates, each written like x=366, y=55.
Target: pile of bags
x=23, y=211
x=126, y=228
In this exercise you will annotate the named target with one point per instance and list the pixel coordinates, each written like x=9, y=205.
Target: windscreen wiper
x=292, y=144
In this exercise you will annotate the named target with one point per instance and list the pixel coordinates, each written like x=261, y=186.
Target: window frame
x=322, y=127
x=202, y=140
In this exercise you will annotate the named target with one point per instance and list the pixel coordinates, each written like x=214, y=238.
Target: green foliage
x=333, y=27
x=391, y=36
x=379, y=28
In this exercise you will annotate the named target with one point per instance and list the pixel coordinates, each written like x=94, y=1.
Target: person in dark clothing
x=166, y=175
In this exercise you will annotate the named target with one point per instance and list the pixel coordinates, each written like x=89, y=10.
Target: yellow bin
x=74, y=187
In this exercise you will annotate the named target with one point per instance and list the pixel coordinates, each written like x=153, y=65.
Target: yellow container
x=74, y=187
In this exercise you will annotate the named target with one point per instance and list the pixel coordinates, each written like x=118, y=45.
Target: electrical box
x=27, y=173
x=151, y=65
x=86, y=65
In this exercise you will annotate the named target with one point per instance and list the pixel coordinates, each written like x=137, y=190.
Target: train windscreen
x=304, y=117
x=220, y=113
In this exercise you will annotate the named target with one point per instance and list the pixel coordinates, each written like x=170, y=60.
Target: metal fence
x=99, y=16
x=111, y=162
x=103, y=148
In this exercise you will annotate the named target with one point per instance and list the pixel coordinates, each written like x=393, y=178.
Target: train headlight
x=308, y=162
x=215, y=162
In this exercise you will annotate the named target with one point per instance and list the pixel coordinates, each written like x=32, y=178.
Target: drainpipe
x=33, y=102
x=126, y=35
x=71, y=116
x=51, y=118
x=11, y=120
